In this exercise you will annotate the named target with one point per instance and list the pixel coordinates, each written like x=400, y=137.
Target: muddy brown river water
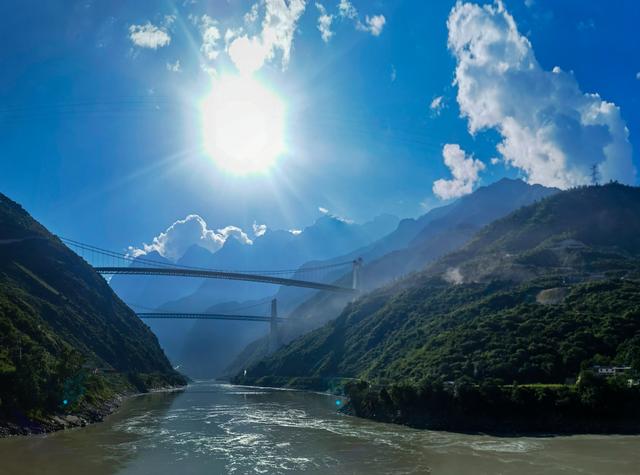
x=213, y=428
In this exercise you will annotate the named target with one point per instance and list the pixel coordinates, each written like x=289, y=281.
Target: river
x=213, y=428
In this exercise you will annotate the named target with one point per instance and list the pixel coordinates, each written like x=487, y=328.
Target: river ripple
x=214, y=428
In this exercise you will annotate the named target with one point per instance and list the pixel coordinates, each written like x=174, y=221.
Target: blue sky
x=102, y=138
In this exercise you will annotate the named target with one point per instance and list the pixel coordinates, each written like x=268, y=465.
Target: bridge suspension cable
x=128, y=264
x=101, y=256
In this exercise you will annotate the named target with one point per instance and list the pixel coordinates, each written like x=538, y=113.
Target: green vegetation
x=546, y=293
x=65, y=337
x=593, y=405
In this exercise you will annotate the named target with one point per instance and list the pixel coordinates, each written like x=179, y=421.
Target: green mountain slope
x=537, y=295
x=65, y=337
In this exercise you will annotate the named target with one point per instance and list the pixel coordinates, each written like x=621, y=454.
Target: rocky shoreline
x=20, y=425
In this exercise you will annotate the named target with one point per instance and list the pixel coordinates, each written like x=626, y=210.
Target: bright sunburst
x=243, y=125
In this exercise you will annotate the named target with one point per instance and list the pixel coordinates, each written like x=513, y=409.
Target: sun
x=243, y=125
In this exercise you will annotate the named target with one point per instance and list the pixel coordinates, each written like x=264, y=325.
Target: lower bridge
x=273, y=320
x=208, y=316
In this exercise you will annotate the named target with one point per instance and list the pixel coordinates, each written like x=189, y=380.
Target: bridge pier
x=274, y=334
x=355, y=273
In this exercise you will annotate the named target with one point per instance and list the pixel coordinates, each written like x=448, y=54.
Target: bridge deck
x=208, y=316
x=214, y=274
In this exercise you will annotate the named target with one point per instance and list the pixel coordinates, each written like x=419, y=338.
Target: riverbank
x=595, y=406
x=599, y=407
x=84, y=414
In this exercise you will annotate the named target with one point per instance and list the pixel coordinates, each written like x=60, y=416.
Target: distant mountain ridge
x=413, y=245
x=275, y=249
x=582, y=245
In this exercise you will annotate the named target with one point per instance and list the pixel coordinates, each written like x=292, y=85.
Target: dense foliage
x=534, y=298
x=478, y=331
x=62, y=328
x=593, y=405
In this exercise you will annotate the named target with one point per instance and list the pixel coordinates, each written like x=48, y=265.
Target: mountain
x=412, y=246
x=329, y=236
x=66, y=340
x=221, y=341
x=534, y=297
x=150, y=292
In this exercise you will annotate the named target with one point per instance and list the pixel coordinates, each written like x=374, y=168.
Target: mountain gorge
x=413, y=245
x=204, y=348
x=535, y=297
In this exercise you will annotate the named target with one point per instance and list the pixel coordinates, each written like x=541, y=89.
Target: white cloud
x=184, y=233
x=259, y=229
x=347, y=10
x=324, y=23
x=295, y=232
x=248, y=54
x=252, y=15
x=550, y=129
x=373, y=25
x=394, y=73
x=495, y=161
x=464, y=169
x=278, y=27
x=210, y=37
x=437, y=104
x=326, y=212
x=149, y=36
x=174, y=67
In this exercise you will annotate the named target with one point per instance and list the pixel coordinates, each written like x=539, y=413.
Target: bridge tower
x=274, y=338
x=355, y=272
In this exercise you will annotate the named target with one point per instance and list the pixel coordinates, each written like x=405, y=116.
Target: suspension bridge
x=108, y=262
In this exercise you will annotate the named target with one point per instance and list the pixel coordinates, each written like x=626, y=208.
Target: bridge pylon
x=274, y=334
x=355, y=273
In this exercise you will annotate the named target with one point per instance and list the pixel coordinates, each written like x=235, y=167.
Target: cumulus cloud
x=250, y=53
x=210, y=37
x=373, y=24
x=252, y=15
x=437, y=104
x=347, y=10
x=550, y=129
x=464, y=169
x=324, y=23
x=184, y=233
x=149, y=36
x=174, y=67
x=259, y=229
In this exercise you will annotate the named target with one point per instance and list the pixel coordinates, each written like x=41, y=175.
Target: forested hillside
x=65, y=338
x=534, y=298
